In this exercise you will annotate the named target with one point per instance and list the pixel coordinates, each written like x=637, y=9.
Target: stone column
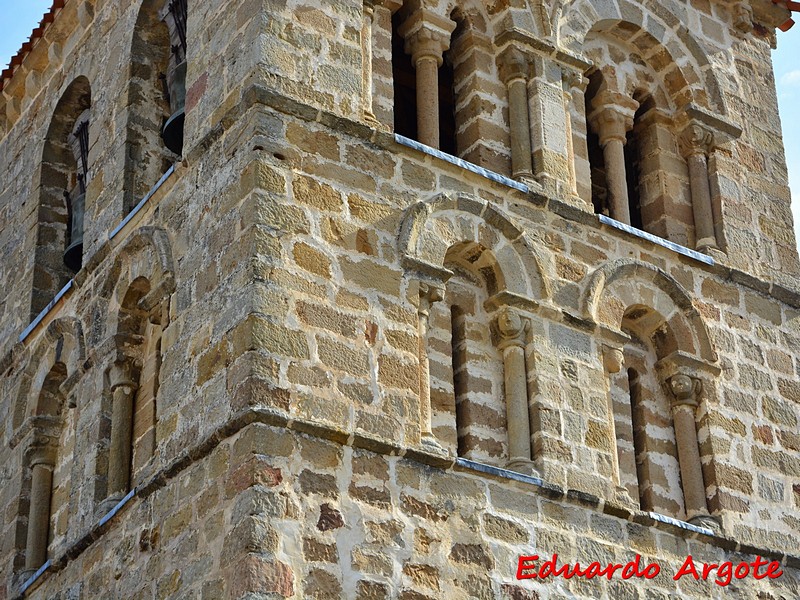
x=366, y=59
x=427, y=37
x=428, y=294
x=612, y=118
x=514, y=72
x=613, y=361
x=571, y=80
x=42, y=462
x=123, y=388
x=511, y=332
x=685, y=395
x=696, y=141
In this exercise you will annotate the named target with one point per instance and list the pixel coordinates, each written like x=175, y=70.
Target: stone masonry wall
x=316, y=434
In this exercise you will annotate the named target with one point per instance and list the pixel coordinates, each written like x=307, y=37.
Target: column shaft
x=424, y=378
x=519, y=119
x=119, y=460
x=427, y=69
x=701, y=202
x=614, y=155
x=573, y=183
x=366, y=58
x=39, y=516
x=516, y=392
x=694, y=492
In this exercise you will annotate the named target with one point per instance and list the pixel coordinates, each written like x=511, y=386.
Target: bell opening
x=73, y=255
x=173, y=132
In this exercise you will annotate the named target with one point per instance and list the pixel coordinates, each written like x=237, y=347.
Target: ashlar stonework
x=366, y=299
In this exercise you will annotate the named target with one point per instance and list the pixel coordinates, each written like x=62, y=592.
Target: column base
x=431, y=444
x=622, y=496
x=706, y=245
x=708, y=522
x=106, y=505
x=522, y=465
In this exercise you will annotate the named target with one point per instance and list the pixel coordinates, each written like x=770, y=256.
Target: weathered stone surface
x=314, y=349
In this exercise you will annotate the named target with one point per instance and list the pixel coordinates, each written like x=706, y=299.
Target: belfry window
x=405, y=85
x=63, y=184
x=76, y=195
x=175, y=16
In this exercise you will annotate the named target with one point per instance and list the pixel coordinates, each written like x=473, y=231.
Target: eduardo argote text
x=530, y=567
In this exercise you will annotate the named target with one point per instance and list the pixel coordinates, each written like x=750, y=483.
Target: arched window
x=646, y=149
x=467, y=370
x=133, y=382
x=149, y=103
x=64, y=177
x=443, y=73
x=657, y=354
x=48, y=489
x=425, y=37
x=175, y=16
x=647, y=453
x=478, y=369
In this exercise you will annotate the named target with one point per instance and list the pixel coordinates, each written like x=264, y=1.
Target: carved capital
x=696, y=139
x=573, y=80
x=428, y=294
x=513, y=65
x=613, y=359
x=427, y=35
x=42, y=450
x=612, y=116
x=685, y=390
x=510, y=329
x=120, y=375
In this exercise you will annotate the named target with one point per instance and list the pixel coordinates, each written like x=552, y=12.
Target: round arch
x=657, y=34
x=63, y=344
x=637, y=292
x=431, y=228
x=147, y=254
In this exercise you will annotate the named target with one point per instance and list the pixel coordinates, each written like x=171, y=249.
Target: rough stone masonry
x=368, y=299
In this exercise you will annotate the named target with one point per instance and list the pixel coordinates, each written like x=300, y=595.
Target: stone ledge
x=75, y=549
x=45, y=311
x=419, y=454
x=459, y=162
x=34, y=578
x=141, y=203
x=698, y=256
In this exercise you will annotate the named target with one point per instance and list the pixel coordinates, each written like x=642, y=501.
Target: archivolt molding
x=623, y=283
x=62, y=342
x=148, y=254
x=653, y=29
x=430, y=228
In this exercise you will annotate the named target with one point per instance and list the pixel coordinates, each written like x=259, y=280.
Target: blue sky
x=17, y=20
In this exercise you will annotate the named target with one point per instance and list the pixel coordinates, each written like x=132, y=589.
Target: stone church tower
x=366, y=299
